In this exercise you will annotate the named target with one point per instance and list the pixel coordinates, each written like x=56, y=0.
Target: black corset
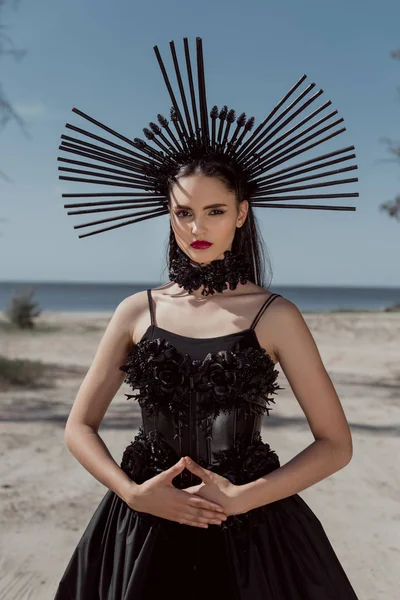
x=204, y=398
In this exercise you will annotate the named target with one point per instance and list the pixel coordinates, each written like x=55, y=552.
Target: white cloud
x=36, y=110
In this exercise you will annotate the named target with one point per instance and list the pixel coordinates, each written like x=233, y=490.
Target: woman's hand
x=158, y=496
x=216, y=488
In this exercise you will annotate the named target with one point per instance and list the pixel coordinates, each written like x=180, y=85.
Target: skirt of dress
x=280, y=552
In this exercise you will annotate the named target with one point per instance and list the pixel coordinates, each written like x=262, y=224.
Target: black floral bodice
x=201, y=397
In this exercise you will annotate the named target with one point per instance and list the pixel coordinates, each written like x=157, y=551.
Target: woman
x=200, y=506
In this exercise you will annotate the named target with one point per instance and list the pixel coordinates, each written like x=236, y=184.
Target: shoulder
x=133, y=304
x=281, y=323
x=279, y=306
x=130, y=310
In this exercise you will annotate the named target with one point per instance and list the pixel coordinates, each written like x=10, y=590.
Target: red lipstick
x=201, y=245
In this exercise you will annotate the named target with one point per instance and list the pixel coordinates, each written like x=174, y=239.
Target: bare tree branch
x=392, y=207
x=7, y=49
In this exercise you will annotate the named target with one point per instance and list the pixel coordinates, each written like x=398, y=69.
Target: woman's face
x=202, y=209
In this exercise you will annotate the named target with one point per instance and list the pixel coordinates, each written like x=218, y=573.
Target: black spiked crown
x=146, y=168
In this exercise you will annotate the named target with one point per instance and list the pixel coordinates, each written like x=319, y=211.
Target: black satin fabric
x=287, y=556
x=275, y=552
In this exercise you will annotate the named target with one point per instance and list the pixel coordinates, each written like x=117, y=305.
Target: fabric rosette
x=245, y=462
x=240, y=379
x=147, y=456
x=159, y=374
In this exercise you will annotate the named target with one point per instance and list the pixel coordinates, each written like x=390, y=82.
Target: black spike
x=142, y=195
x=240, y=122
x=303, y=121
x=293, y=154
x=149, y=150
x=108, y=129
x=165, y=125
x=247, y=127
x=171, y=93
x=275, y=155
x=230, y=118
x=274, y=110
x=286, y=111
x=202, y=92
x=149, y=134
x=90, y=211
x=312, y=206
x=283, y=180
x=214, y=112
x=140, y=143
x=222, y=117
x=118, y=218
x=112, y=183
x=176, y=122
x=295, y=170
x=140, y=184
x=265, y=151
x=214, y=115
x=139, y=178
x=151, y=215
x=191, y=87
x=309, y=197
x=155, y=128
x=104, y=154
x=138, y=172
x=162, y=120
x=181, y=88
x=157, y=131
x=270, y=190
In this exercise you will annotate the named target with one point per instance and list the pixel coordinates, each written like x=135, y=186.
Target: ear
x=243, y=210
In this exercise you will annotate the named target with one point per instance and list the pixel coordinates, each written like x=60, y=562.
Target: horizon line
x=151, y=284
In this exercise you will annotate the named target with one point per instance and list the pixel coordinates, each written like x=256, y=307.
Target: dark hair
x=247, y=239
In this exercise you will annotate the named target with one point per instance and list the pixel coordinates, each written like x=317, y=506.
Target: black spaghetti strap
x=264, y=307
x=150, y=299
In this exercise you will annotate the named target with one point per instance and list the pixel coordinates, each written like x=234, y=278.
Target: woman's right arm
x=95, y=394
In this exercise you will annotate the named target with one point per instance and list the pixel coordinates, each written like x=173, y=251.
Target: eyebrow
x=205, y=208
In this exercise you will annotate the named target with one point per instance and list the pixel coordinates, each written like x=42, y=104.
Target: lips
x=201, y=245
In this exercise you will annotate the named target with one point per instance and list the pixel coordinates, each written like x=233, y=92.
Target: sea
x=89, y=297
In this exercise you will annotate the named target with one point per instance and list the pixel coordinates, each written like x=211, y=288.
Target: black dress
x=204, y=398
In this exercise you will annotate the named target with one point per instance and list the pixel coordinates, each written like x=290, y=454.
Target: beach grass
x=24, y=373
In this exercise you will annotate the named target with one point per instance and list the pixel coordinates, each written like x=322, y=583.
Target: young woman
x=200, y=506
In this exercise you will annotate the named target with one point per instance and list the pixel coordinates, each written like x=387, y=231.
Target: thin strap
x=150, y=299
x=264, y=307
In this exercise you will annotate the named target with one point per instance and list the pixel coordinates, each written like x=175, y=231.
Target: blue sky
x=98, y=55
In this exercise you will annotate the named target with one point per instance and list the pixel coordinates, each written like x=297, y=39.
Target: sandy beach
x=47, y=498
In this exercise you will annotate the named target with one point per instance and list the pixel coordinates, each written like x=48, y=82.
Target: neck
x=206, y=279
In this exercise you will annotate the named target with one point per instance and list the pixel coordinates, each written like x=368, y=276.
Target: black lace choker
x=215, y=276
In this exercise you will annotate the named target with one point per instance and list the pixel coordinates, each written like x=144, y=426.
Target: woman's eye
x=182, y=213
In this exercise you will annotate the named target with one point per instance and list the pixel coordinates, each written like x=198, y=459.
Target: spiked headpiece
x=262, y=159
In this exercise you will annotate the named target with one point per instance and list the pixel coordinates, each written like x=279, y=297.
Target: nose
x=197, y=226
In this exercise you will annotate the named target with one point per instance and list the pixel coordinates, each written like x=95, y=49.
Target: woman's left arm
x=332, y=449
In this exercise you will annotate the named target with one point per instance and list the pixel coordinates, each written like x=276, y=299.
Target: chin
x=204, y=256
